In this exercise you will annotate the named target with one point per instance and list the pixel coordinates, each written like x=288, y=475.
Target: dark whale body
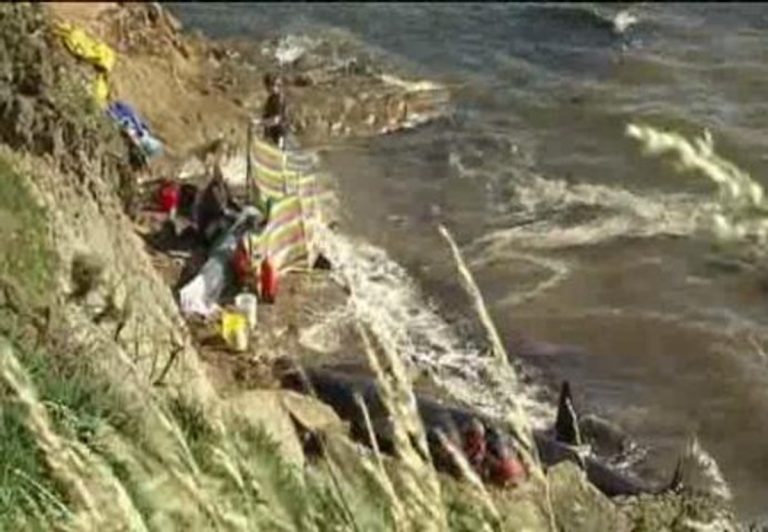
x=339, y=390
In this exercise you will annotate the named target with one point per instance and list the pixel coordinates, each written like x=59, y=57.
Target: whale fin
x=676, y=482
x=567, y=423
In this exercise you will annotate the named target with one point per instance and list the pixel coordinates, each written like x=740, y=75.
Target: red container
x=168, y=197
x=241, y=263
x=268, y=281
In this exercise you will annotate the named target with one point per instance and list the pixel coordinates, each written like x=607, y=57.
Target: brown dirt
x=191, y=92
x=171, y=84
x=162, y=72
x=302, y=298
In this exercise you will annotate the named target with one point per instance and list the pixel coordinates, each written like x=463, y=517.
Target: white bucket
x=247, y=304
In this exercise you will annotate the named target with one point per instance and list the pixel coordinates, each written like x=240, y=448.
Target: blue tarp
x=201, y=295
x=130, y=121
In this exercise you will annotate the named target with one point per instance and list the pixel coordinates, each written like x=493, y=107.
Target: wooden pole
x=249, y=186
x=248, y=163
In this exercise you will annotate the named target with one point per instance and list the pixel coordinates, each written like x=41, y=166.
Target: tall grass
x=742, y=210
x=76, y=458
x=225, y=477
x=516, y=419
x=417, y=480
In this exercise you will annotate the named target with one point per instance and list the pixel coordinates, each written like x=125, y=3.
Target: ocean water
x=573, y=235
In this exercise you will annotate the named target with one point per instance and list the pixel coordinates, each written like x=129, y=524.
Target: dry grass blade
x=469, y=475
x=477, y=298
x=398, y=513
x=741, y=211
x=418, y=478
x=97, y=497
x=519, y=418
x=735, y=185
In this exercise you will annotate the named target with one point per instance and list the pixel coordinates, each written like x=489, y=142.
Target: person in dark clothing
x=273, y=114
x=215, y=209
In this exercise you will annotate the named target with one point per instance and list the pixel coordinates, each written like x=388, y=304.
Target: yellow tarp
x=100, y=55
x=100, y=90
x=86, y=47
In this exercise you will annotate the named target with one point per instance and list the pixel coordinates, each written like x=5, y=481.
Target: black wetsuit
x=274, y=107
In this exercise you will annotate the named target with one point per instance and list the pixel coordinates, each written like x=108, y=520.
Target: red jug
x=268, y=281
x=241, y=263
x=168, y=197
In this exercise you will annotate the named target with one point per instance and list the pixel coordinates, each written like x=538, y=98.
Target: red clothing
x=241, y=263
x=268, y=278
x=168, y=197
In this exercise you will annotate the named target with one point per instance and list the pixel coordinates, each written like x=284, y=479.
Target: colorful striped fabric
x=288, y=179
x=269, y=162
x=276, y=172
x=284, y=239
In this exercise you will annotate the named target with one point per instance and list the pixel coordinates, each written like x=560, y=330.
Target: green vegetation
x=76, y=456
x=71, y=450
x=78, y=402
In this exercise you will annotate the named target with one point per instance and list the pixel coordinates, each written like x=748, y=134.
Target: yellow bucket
x=234, y=330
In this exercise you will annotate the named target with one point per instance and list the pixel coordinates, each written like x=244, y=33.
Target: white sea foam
x=558, y=269
x=617, y=212
x=291, y=48
x=623, y=21
x=738, y=212
x=411, y=86
x=325, y=333
x=385, y=299
x=701, y=471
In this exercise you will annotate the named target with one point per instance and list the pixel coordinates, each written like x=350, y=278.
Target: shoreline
x=215, y=108
x=196, y=95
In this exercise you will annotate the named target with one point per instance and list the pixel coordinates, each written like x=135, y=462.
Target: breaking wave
x=623, y=20
x=548, y=208
x=551, y=214
x=701, y=471
x=386, y=299
x=532, y=214
x=741, y=208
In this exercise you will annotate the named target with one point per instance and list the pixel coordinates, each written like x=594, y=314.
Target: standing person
x=273, y=114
